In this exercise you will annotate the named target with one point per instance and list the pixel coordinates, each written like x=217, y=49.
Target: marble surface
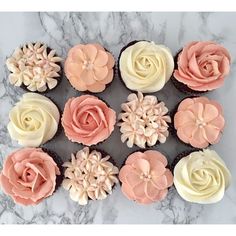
x=113, y=30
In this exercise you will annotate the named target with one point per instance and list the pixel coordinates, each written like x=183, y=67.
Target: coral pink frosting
x=199, y=121
x=89, y=67
x=29, y=176
x=87, y=120
x=203, y=66
x=145, y=177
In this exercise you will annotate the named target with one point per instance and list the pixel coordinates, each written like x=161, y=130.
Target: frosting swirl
x=203, y=65
x=29, y=176
x=34, y=66
x=87, y=120
x=199, y=121
x=145, y=178
x=144, y=120
x=201, y=177
x=33, y=120
x=146, y=66
x=89, y=67
x=89, y=176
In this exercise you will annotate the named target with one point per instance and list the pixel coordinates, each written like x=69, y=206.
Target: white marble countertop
x=113, y=30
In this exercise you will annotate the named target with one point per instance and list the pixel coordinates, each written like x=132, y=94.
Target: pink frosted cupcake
x=87, y=120
x=145, y=177
x=199, y=122
x=200, y=67
x=89, y=67
x=29, y=175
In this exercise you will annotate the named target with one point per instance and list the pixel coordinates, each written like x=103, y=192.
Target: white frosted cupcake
x=33, y=120
x=201, y=176
x=145, y=66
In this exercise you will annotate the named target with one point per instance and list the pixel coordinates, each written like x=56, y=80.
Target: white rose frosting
x=201, y=177
x=89, y=176
x=146, y=66
x=33, y=120
x=33, y=67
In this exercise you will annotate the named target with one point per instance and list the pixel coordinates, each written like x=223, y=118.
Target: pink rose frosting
x=29, y=176
x=88, y=120
x=199, y=121
x=203, y=65
x=89, y=67
x=145, y=178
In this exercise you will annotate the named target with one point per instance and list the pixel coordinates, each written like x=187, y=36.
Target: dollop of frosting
x=33, y=120
x=145, y=178
x=89, y=67
x=89, y=176
x=146, y=66
x=87, y=120
x=29, y=176
x=33, y=67
x=199, y=121
x=143, y=120
x=203, y=65
x=201, y=177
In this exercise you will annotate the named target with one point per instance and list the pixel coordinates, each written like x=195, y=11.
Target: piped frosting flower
x=143, y=120
x=145, y=178
x=89, y=67
x=89, y=176
x=34, y=66
x=199, y=121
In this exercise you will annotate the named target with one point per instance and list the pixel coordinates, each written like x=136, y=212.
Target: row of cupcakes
x=143, y=66
x=30, y=175
x=144, y=121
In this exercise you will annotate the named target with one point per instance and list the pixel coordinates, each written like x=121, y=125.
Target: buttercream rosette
x=90, y=175
x=29, y=176
x=33, y=120
x=145, y=66
x=202, y=66
x=34, y=67
x=88, y=120
x=143, y=121
x=145, y=177
x=199, y=121
x=89, y=67
x=201, y=177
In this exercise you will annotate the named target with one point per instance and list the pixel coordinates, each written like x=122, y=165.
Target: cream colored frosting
x=144, y=120
x=146, y=66
x=201, y=177
x=89, y=176
x=33, y=67
x=33, y=120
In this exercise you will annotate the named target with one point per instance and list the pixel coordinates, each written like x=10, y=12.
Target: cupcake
x=89, y=67
x=33, y=120
x=90, y=175
x=199, y=122
x=145, y=66
x=201, y=177
x=29, y=175
x=145, y=177
x=143, y=121
x=200, y=67
x=34, y=67
x=87, y=120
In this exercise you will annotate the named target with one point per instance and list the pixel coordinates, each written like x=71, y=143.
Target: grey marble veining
x=113, y=30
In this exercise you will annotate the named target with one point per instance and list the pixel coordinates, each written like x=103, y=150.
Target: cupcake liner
x=59, y=79
x=181, y=86
x=59, y=162
x=180, y=156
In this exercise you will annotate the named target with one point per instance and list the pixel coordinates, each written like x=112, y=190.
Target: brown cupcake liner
x=181, y=86
x=59, y=79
